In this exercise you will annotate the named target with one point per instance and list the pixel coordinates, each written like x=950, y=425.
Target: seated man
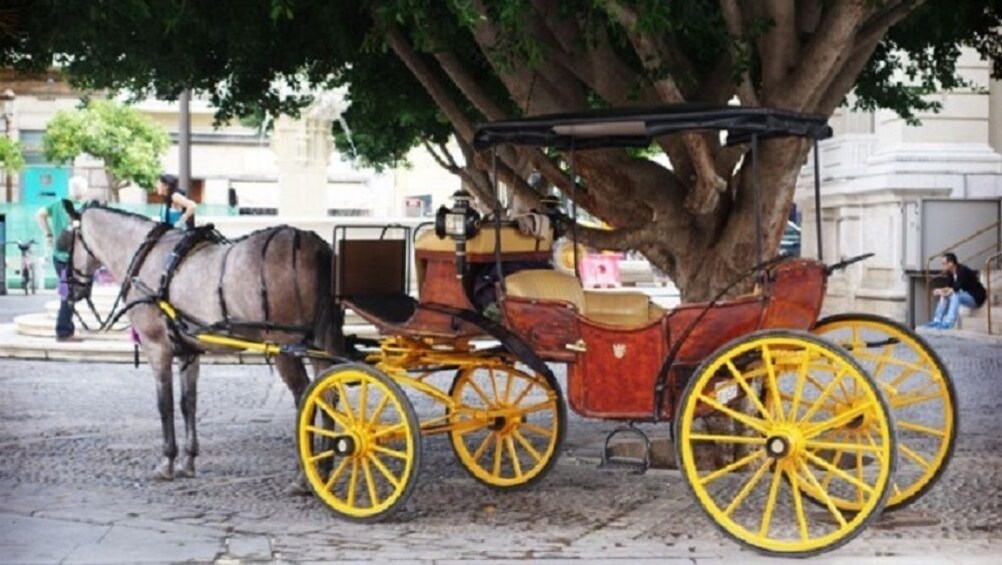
x=964, y=290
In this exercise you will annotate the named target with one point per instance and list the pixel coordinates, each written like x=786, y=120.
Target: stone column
x=302, y=148
x=995, y=115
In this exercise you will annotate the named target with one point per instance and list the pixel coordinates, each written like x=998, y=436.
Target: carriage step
x=633, y=454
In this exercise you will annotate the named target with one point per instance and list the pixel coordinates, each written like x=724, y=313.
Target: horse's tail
x=328, y=318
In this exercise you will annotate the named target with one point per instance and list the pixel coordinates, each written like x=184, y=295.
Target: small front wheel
x=359, y=442
x=753, y=422
x=506, y=425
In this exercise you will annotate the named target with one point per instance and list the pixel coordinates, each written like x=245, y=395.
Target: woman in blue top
x=178, y=210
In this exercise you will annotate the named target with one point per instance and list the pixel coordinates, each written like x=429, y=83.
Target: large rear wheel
x=773, y=397
x=919, y=390
x=359, y=442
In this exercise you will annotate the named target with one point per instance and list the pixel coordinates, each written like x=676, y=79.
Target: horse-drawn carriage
x=792, y=433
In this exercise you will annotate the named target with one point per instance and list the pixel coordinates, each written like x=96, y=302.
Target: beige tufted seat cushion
x=512, y=241
x=620, y=309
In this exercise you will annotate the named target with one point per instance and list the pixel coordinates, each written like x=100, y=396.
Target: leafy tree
x=419, y=71
x=129, y=144
x=11, y=159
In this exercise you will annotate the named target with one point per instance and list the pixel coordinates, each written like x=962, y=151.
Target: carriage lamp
x=459, y=223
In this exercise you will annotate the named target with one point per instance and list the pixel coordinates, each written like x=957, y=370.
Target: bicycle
x=29, y=279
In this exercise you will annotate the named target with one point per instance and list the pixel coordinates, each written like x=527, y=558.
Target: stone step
x=40, y=325
x=980, y=325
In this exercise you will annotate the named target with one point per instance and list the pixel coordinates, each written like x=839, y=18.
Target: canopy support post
x=497, y=220
x=817, y=198
x=574, y=212
x=756, y=199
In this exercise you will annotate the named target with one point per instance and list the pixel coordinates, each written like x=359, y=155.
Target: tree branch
x=779, y=46
x=735, y=28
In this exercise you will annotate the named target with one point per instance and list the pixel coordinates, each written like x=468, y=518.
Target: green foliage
x=11, y=159
x=252, y=57
x=129, y=144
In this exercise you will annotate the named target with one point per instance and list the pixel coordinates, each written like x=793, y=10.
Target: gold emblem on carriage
x=619, y=350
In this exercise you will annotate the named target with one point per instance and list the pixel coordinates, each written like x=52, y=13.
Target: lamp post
x=7, y=111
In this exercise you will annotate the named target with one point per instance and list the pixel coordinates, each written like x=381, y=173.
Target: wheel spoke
x=820, y=400
x=347, y=405
x=743, y=462
x=748, y=390
x=823, y=495
x=390, y=452
x=321, y=455
x=753, y=423
x=859, y=476
x=497, y=455
x=727, y=439
x=904, y=400
x=389, y=430
x=826, y=480
x=909, y=370
x=526, y=445
x=840, y=420
x=882, y=361
x=386, y=472
x=336, y=474
x=353, y=482
x=483, y=447
x=494, y=386
x=373, y=498
x=480, y=392
x=856, y=447
x=770, y=371
x=521, y=396
x=538, y=406
x=912, y=426
x=537, y=429
x=378, y=411
x=507, y=388
x=839, y=472
x=516, y=464
x=798, y=503
x=748, y=487
x=363, y=399
x=770, y=503
x=912, y=455
x=321, y=431
x=338, y=417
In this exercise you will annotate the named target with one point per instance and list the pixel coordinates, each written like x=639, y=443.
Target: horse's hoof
x=298, y=487
x=164, y=472
x=184, y=473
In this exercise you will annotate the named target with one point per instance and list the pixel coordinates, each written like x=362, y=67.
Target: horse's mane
x=95, y=205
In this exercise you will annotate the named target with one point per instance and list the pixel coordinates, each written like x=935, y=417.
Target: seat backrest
x=371, y=267
x=546, y=284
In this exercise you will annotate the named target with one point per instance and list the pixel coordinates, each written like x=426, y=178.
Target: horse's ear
x=70, y=210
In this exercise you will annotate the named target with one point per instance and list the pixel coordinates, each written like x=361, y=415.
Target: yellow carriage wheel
x=919, y=390
x=359, y=442
x=563, y=255
x=748, y=433
x=507, y=425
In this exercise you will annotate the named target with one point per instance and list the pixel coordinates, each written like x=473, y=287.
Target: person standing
x=964, y=290
x=178, y=210
x=54, y=220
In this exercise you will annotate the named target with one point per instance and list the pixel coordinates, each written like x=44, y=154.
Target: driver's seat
x=622, y=310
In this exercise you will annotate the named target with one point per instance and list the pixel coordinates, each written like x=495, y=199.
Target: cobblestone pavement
x=78, y=443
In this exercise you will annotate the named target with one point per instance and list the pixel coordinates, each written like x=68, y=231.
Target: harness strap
x=188, y=241
x=219, y=288
x=264, y=283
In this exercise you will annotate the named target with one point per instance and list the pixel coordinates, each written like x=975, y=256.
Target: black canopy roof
x=637, y=127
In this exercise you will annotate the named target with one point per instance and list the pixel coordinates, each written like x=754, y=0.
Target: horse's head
x=82, y=262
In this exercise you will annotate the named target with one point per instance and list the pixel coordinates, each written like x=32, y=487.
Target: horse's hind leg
x=189, y=393
x=160, y=361
x=293, y=372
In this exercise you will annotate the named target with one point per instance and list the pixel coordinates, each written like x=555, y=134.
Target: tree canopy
x=11, y=159
x=129, y=144
x=420, y=71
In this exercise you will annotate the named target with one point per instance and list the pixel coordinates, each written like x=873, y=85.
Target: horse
x=272, y=285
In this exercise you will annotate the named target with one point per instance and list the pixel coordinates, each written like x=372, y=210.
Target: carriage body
x=792, y=389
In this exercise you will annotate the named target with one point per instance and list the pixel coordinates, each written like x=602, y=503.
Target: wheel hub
x=783, y=444
x=345, y=446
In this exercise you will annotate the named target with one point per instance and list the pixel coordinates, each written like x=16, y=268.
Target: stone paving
x=78, y=443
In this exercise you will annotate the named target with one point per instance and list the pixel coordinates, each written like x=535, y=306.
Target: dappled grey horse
x=272, y=285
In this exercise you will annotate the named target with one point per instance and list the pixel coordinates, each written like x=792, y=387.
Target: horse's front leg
x=294, y=374
x=189, y=393
x=160, y=359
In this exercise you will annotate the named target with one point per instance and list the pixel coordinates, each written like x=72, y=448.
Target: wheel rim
x=506, y=424
x=357, y=442
x=917, y=391
x=756, y=496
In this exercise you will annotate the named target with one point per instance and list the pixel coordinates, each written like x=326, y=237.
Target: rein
x=83, y=280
